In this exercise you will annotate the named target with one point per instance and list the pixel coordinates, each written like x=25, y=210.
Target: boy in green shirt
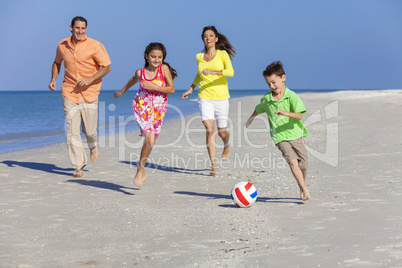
x=285, y=109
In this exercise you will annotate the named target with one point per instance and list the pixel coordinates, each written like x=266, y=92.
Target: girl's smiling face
x=155, y=58
x=276, y=83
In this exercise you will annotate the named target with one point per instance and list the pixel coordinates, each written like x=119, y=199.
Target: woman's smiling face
x=209, y=38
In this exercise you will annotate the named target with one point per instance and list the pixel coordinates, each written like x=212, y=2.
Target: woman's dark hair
x=79, y=19
x=161, y=47
x=223, y=42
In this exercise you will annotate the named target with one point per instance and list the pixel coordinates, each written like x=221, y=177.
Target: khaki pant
x=294, y=150
x=83, y=115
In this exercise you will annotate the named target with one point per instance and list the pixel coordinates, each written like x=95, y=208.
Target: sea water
x=33, y=119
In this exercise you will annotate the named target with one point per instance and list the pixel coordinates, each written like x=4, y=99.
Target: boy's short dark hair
x=274, y=68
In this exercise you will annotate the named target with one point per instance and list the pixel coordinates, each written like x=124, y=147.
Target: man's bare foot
x=94, y=154
x=78, y=173
x=140, y=177
x=304, y=195
x=225, y=154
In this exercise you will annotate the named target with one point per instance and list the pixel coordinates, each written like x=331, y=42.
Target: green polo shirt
x=283, y=128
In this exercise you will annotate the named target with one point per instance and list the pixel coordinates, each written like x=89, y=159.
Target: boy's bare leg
x=300, y=177
x=304, y=171
x=225, y=138
x=210, y=141
x=140, y=178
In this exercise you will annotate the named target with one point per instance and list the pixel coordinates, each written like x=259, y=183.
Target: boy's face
x=276, y=83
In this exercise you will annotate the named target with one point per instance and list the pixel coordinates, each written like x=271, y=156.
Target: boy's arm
x=254, y=115
x=297, y=116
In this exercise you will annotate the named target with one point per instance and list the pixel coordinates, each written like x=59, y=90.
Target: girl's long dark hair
x=223, y=42
x=161, y=47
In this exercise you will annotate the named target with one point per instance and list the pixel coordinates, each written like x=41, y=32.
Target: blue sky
x=340, y=44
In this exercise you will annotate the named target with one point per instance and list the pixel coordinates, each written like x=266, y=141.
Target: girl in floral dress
x=150, y=102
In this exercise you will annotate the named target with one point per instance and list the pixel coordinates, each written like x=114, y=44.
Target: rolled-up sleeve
x=59, y=56
x=101, y=57
x=260, y=108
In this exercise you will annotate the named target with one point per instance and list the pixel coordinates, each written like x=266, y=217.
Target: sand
x=182, y=217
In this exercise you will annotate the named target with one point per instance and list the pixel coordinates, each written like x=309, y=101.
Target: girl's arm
x=297, y=116
x=169, y=89
x=254, y=115
x=133, y=80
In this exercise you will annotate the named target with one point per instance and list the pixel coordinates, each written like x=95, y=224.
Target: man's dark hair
x=79, y=19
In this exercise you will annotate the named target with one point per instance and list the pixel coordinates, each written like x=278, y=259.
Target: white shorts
x=217, y=110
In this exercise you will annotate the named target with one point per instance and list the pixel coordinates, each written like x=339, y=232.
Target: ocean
x=33, y=119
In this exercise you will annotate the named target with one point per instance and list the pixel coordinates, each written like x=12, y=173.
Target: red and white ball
x=244, y=194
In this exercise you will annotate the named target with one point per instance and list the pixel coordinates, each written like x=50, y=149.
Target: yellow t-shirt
x=214, y=87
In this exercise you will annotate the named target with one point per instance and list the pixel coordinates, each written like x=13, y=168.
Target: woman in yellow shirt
x=214, y=65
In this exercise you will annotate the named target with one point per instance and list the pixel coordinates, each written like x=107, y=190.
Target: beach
x=182, y=217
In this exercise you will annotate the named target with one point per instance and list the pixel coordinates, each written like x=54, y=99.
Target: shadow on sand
x=104, y=185
x=170, y=169
x=50, y=168
x=228, y=197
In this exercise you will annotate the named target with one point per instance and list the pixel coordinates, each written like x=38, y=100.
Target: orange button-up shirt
x=81, y=61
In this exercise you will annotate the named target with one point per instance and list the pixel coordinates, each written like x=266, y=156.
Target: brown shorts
x=294, y=150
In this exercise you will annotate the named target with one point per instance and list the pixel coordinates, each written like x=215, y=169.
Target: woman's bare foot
x=78, y=173
x=140, y=177
x=225, y=154
x=94, y=154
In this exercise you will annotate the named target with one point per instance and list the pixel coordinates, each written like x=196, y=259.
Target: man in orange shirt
x=86, y=62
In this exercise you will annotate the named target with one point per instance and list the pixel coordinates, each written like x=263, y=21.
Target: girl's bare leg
x=140, y=178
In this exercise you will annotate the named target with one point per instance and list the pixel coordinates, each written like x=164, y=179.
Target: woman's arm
x=188, y=92
x=227, y=67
